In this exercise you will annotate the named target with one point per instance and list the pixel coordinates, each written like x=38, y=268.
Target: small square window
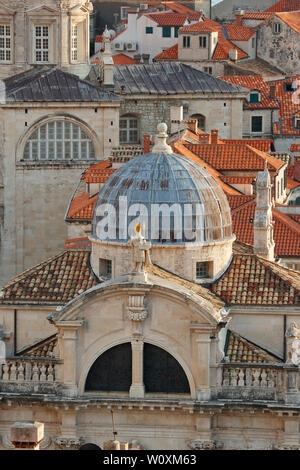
x=202, y=270
x=105, y=268
x=166, y=32
x=149, y=30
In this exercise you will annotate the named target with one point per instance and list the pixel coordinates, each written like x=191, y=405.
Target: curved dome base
x=180, y=260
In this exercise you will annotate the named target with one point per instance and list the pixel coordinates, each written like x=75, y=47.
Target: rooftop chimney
x=214, y=140
x=233, y=55
x=263, y=221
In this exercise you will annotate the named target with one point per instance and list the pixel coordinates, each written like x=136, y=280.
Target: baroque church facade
x=190, y=346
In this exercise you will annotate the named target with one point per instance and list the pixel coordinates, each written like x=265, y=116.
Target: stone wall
x=222, y=112
x=37, y=194
x=281, y=50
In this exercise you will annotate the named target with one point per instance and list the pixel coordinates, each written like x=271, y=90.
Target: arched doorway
x=89, y=447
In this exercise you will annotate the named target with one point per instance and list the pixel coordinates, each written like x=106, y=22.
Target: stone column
x=203, y=373
x=137, y=389
x=68, y=334
x=27, y=435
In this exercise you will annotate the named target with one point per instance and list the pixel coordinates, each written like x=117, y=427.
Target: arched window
x=129, y=129
x=201, y=121
x=111, y=372
x=59, y=140
x=162, y=372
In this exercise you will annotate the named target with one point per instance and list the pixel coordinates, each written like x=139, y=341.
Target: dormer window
x=297, y=123
x=203, y=42
x=41, y=44
x=254, y=97
x=276, y=28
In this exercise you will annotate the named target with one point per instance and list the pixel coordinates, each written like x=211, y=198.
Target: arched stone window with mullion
x=59, y=140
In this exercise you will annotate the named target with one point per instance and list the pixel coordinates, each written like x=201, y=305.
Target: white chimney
x=176, y=118
x=233, y=55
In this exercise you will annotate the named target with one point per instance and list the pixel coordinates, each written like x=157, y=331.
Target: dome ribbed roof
x=161, y=178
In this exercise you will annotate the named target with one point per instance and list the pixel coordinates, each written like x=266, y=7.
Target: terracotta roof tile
x=171, y=53
x=291, y=19
x=234, y=157
x=260, y=144
x=251, y=280
x=239, y=33
x=54, y=281
x=255, y=83
x=238, y=201
x=44, y=348
x=200, y=27
x=172, y=19
x=82, y=207
x=123, y=59
x=286, y=231
x=285, y=5
x=98, y=173
x=223, y=48
x=239, y=349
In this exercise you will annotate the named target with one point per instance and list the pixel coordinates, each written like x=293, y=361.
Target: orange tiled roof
x=44, y=348
x=122, y=59
x=252, y=280
x=238, y=179
x=235, y=157
x=98, y=173
x=82, y=207
x=178, y=147
x=238, y=201
x=287, y=107
x=82, y=242
x=201, y=27
x=285, y=5
x=291, y=19
x=99, y=38
x=286, y=231
x=171, y=53
x=223, y=48
x=252, y=82
x=54, y=281
x=260, y=144
x=239, y=349
x=239, y=33
x=171, y=19
x=257, y=15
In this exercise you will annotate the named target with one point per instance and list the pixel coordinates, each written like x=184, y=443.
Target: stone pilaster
x=137, y=389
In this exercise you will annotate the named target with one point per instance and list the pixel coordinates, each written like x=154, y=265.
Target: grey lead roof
x=48, y=84
x=168, y=79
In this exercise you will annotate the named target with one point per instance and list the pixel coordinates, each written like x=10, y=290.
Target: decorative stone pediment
x=78, y=10
x=42, y=10
x=6, y=11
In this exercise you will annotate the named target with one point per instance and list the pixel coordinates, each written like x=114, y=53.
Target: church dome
x=157, y=178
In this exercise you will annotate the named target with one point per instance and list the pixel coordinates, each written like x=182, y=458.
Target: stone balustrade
x=254, y=381
x=29, y=375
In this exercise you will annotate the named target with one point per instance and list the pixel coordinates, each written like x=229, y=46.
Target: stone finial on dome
x=106, y=34
x=161, y=145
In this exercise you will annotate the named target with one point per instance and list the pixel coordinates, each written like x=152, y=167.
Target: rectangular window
x=75, y=42
x=202, y=42
x=42, y=43
x=253, y=43
x=208, y=70
x=105, y=268
x=297, y=123
x=202, y=270
x=257, y=124
x=5, y=43
x=254, y=97
x=276, y=28
x=149, y=30
x=186, y=41
x=166, y=32
x=176, y=29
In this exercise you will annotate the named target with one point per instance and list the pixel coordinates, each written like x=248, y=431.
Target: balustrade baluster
x=21, y=372
x=241, y=382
